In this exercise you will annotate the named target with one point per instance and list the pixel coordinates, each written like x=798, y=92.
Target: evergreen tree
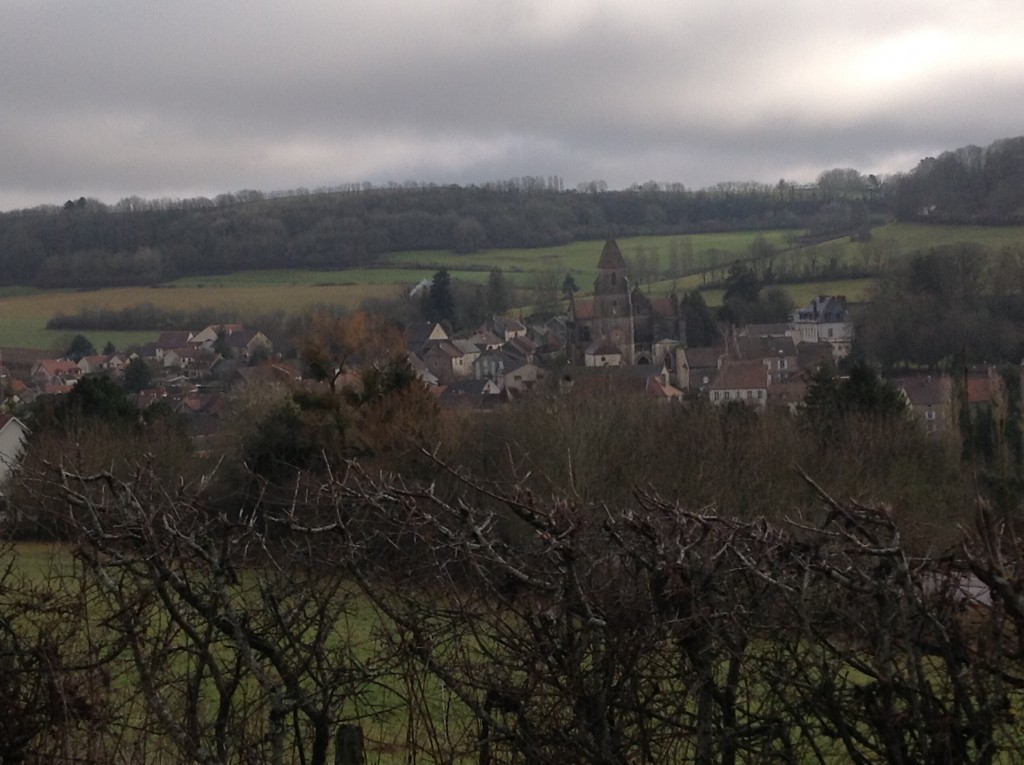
x=94, y=397
x=137, y=376
x=701, y=327
x=498, y=299
x=830, y=399
x=80, y=347
x=441, y=301
x=569, y=286
x=865, y=392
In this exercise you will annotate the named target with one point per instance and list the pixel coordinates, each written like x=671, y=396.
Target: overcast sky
x=198, y=97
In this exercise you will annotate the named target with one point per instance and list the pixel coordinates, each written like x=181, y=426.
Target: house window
x=930, y=414
x=760, y=394
x=782, y=364
x=830, y=333
x=749, y=393
x=727, y=395
x=716, y=395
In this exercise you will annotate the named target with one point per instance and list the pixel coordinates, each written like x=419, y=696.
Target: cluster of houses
x=940, y=401
x=499, y=361
x=189, y=371
x=617, y=342
x=758, y=364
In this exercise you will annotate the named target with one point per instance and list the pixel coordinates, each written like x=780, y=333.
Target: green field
x=23, y=318
x=896, y=239
x=703, y=257
x=698, y=251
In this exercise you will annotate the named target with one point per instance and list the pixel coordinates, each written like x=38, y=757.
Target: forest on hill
x=970, y=185
x=85, y=243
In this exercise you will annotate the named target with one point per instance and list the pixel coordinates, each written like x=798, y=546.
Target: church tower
x=613, y=308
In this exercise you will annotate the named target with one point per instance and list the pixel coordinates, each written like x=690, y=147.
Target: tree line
x=950, y=304
x=86, y=243
x=972, y=184
x=89, y=244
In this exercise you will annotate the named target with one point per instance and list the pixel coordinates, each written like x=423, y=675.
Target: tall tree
x=137, y=376
x=498, y=298
x=569, y=286
x=701, y=327
x=441, y=299
x=80, y=346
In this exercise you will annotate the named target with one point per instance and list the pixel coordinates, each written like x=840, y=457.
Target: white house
x=745, y=381
x=825, y=320
x=12, y=442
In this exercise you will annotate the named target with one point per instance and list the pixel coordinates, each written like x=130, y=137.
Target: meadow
x=23, y=317
x=702, y=261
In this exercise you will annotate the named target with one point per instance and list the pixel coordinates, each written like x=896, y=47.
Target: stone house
x=746, y=381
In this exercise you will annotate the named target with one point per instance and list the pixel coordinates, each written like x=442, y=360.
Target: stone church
x=619, y=321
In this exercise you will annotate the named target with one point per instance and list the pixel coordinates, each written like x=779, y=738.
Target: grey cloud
x=201, y=98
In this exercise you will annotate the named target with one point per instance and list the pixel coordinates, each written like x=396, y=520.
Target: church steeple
x=611, y=272
x=611, y=257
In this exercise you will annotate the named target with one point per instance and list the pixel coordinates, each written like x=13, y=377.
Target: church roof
x=583, y=309
x=611, y=257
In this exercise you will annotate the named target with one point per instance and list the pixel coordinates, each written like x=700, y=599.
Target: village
x=615, y=343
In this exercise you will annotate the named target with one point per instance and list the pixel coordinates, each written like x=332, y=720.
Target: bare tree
x=511, y=627
x=241, y=640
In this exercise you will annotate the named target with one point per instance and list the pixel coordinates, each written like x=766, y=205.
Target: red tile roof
x=927, y=391
x=584, y=309
x=741, y=375
x=979, y=390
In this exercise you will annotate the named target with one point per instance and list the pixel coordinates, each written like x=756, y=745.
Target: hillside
x=87, y=244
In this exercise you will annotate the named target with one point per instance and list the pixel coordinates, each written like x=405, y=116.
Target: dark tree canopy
x=499, y=297
x=569, y=286
x=144, y=242
x=80, y=347
x=440, y=299
x=137, y=376
x=862, y=393
x=94, y=398
x=701, y=326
